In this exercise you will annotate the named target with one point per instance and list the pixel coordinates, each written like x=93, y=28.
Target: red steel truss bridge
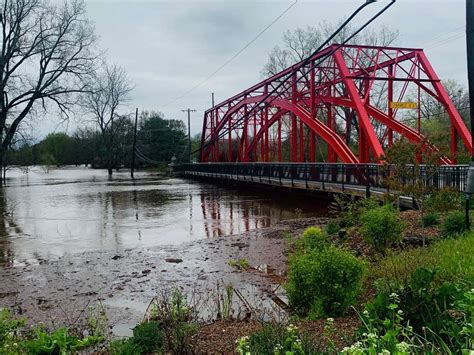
x=345, y=104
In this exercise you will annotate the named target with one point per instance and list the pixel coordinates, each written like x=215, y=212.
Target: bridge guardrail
x=369, y=176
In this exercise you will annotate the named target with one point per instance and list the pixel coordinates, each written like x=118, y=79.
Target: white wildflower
x=372, y=336
x=403, y=347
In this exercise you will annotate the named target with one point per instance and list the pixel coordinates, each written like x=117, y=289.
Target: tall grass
x=452, y=258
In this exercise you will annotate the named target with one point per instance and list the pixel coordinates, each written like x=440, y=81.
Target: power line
x=447, y=40
x=443, y=36
x=299, y=66
x=231, y=58
x=143, y=157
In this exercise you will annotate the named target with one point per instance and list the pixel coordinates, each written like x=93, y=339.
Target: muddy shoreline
x=57, y=292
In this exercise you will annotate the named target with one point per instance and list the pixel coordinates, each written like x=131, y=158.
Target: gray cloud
x=169, y=46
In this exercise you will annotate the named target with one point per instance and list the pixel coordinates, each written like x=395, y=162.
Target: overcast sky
x=167, y=47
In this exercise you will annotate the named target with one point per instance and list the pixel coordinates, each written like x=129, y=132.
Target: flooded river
x=72, y=210
x=70, y=238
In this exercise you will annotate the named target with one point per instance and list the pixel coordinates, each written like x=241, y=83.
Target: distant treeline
x=158, y=140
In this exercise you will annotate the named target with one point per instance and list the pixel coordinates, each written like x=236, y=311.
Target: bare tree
x=300, y=43
x=47, y=50
x=109, y=91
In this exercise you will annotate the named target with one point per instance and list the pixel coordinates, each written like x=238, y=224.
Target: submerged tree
x=109, y=91
x=160, y=139
x=47, y=51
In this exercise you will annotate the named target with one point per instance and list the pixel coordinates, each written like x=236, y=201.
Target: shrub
x=454, y=223
x=381, y=227
x=324, y=283
x=446, y=199
x=430, y=219
x=149, y=337
x=169, y=328
x=178, y=321
x=348, y=209
x=332, y=227
x=314, y=239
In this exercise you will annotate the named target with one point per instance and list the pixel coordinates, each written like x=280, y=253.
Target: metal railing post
x=367, y=179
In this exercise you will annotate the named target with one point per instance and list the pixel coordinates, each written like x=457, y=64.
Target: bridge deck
x=359, y=179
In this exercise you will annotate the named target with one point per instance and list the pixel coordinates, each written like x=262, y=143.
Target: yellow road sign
x=408, y=105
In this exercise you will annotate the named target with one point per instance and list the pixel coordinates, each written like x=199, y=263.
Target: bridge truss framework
x=333, y=107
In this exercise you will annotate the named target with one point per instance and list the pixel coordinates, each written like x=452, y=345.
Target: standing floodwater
x=47, y=214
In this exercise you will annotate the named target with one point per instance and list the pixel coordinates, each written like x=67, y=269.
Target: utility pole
x=134, y=147
x=470, y=75
x=188, y=110
x=470, y=59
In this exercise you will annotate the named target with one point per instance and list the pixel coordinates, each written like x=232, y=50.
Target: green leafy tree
x=160, y=139
x=58, y=148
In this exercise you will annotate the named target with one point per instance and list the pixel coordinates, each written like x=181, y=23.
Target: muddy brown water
x=70, y=237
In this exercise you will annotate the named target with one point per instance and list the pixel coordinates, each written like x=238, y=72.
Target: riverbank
x=56, y=292
x=216, y=295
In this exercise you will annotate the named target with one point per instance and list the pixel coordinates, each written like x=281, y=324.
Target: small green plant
x=15, y=338
x=328, y=334
x=332, y=227
x=276, y=339
x=454, y=223
x=241, y=264
x=124, y=347
x=9, y=332
x=381, y=227
x=391, y=338
x=97, y=321
x=439, y=315
x=147, y=337
x=324, y=283
x=59, y=341
x=314, y=239
x=226, y=300
x=430, y=219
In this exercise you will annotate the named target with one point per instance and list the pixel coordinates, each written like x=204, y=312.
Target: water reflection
x=73, y=210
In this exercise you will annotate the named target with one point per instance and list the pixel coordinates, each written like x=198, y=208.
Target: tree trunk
x=3, y=169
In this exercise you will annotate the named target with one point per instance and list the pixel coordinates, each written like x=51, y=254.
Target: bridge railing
x=370, y=176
